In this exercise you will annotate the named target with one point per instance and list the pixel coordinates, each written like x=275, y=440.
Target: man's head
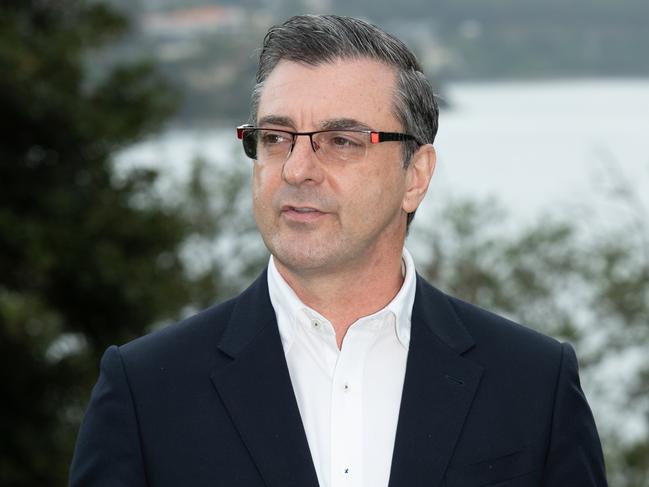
x=315, y=40
x=322, y=72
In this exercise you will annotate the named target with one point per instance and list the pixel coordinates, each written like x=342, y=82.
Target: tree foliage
x=88, y=256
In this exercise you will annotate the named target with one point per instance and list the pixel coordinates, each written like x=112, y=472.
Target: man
x=339, y=366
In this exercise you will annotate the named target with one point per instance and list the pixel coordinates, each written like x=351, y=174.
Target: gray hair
x=321, y=39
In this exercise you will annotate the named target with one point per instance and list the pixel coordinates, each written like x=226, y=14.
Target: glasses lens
x=249, y=141
x=273, y=145
x=341, y=145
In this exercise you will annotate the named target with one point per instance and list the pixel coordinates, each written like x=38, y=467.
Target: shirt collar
x=287, y=305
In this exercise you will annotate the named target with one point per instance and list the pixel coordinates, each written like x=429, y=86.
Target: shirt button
x=346, y=387
x=316, y=324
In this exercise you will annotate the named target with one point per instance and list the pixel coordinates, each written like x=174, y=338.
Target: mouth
x=300, y=209
x=302, y=214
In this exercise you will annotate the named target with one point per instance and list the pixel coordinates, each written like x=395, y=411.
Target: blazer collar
x=438, y=390
x=433, y=309
x=252, y=314
x=256, y=389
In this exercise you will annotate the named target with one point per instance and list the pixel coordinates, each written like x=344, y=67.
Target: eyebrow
x=344, y=124
x=332, y=124
x=276, y=120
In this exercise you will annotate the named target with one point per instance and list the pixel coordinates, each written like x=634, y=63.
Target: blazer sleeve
x=108, y=450
x=574, y=455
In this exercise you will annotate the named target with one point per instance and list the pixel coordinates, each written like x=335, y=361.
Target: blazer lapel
x=257, y=392
x=438, y=390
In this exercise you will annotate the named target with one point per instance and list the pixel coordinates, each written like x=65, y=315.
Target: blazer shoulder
x=468, y=327
x=193, y=336
x=201, y=340
x=498, y=332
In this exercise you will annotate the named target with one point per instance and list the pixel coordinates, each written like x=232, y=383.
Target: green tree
x=89, y=256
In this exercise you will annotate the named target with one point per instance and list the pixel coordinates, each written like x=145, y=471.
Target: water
x=544, y=146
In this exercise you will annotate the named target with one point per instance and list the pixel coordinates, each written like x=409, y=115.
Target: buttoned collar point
x=314, y=321
x=291, y=312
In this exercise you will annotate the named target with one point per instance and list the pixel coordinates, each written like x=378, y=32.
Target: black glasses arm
x=391, y=137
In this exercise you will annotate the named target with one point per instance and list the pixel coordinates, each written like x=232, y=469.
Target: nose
x=302, y=165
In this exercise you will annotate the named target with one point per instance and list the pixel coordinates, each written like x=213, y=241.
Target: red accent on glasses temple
x=374, y=137
x=239, y=133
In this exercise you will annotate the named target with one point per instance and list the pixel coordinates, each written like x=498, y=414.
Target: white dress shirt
x=348, y=399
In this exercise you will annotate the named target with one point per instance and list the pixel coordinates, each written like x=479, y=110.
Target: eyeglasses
x=330, y=146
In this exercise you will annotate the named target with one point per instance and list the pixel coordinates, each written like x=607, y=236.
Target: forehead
x=309, y=96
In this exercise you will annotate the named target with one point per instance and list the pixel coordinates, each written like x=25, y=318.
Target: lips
x=300, y=209
x=303, y=210
x=303, y=214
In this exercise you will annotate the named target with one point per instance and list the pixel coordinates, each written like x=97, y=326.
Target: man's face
x=359, y=207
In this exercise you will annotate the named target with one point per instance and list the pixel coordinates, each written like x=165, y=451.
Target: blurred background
x=124, y=196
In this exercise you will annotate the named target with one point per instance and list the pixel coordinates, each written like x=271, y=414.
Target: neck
x=345, y=295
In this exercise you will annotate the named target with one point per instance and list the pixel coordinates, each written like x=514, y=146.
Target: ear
x=418, y=176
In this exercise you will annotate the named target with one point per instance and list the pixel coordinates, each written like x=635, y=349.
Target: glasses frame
x=376, y=137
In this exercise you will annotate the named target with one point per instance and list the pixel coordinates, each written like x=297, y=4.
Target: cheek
x=263, y=181
x=371, y=200
x=263, y=188
x=378, y=194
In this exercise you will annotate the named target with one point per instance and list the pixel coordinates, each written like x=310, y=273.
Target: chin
x=299, y=255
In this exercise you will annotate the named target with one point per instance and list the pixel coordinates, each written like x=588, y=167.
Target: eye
x=341, y=141
x=344, y=140
x=270, y=137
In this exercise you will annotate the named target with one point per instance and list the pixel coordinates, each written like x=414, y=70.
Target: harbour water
x=543, y=146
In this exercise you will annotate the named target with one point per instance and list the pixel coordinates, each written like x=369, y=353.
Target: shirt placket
x=347, y=409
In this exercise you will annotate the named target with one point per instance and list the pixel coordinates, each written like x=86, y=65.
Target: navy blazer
x=209, y=402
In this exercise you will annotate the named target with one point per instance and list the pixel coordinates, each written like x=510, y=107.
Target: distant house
x=193, y=21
